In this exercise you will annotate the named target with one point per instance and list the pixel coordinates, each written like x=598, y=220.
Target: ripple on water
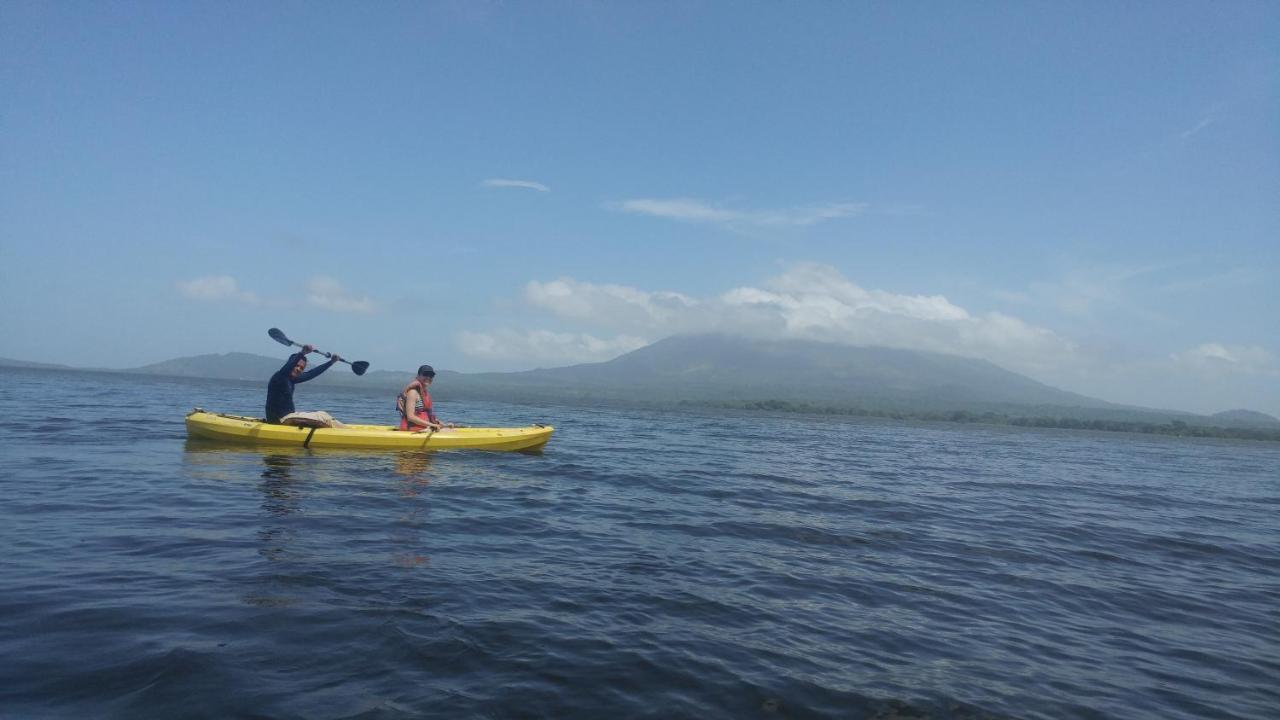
x=646, y=564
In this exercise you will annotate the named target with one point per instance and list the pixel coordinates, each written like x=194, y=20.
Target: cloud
x=216, y=288
x=1219, y=358
x=328, y=294
x=545, y=348
x=1227, y=279
x=1082, y=292
x=815, y=302
x=808, y=301
x=1195, y=129
x=698, y=211
x=505, y=183
x=1208, y=118
x=321, y=292
x=638, y=310
x=1089, y=291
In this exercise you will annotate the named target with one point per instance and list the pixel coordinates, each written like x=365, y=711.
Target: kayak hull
x=253, y=431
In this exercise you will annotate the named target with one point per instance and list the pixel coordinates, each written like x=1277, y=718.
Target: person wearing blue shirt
x=280, y=387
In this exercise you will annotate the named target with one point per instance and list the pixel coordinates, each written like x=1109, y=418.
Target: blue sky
x=1089, y=194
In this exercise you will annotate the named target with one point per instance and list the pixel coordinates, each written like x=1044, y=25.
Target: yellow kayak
x=246, y=430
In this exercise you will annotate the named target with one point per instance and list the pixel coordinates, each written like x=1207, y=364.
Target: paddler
x=423, y=417
x=280, y=387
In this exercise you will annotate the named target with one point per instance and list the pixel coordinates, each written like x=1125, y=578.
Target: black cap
x=426, y=371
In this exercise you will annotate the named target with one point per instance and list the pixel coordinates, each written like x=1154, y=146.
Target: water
x=646, y=564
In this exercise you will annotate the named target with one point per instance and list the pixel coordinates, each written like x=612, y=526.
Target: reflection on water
x=281, y=494
x=289, y=479
x=412, y=467
x=281, y=497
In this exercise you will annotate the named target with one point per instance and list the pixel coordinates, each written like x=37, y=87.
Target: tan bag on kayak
x=316, y=419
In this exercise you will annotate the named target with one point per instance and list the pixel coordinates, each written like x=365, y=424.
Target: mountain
x=726, y=368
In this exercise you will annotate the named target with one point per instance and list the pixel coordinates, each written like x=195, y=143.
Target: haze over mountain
x=252, y=367
x=728, y=370
x=10, y=362
x=721, y=367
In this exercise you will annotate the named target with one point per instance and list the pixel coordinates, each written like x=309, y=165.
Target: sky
x=1086, y=193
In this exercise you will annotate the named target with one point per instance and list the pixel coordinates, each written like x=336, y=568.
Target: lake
x=645, y=565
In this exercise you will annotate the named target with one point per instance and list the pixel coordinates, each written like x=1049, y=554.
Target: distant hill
x=1245, y=418
x=710, y=369
x=9, y=362
x=225, y=366
x=768, y=375
x=248, y=366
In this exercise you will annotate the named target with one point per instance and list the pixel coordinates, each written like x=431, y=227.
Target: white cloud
x=216, y=288
x=327, y=293
x=691, y=210
x=612, y=304
x=808, y=301
x=816, y=302
x=1195, y=129
x=1209, y=117
x=1216, y=357
x=505, y=183
x=1227, y=279
x=545, y=348
x=321, y=292
x=1092, y=291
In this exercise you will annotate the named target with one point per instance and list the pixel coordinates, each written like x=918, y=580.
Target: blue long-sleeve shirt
x=280, y=387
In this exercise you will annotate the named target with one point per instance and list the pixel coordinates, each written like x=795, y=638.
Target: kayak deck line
x=242, y=430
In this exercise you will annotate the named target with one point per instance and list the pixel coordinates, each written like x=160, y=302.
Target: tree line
x=1176, y=428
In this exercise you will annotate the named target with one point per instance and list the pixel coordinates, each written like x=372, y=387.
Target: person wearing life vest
x=422, y=418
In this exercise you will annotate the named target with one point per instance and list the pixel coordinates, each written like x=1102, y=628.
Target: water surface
x=646, y=564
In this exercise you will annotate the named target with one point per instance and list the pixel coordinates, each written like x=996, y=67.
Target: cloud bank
x=808, y=301
x=321, y=292
x=546, y=348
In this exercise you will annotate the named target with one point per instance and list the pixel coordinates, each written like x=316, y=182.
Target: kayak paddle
x=358, y=367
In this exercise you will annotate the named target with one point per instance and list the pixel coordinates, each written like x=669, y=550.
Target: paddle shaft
x=358, y=367
x=326, y=354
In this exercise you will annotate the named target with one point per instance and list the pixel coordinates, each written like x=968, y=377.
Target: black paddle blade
x=358, y=367
x=279, y=336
